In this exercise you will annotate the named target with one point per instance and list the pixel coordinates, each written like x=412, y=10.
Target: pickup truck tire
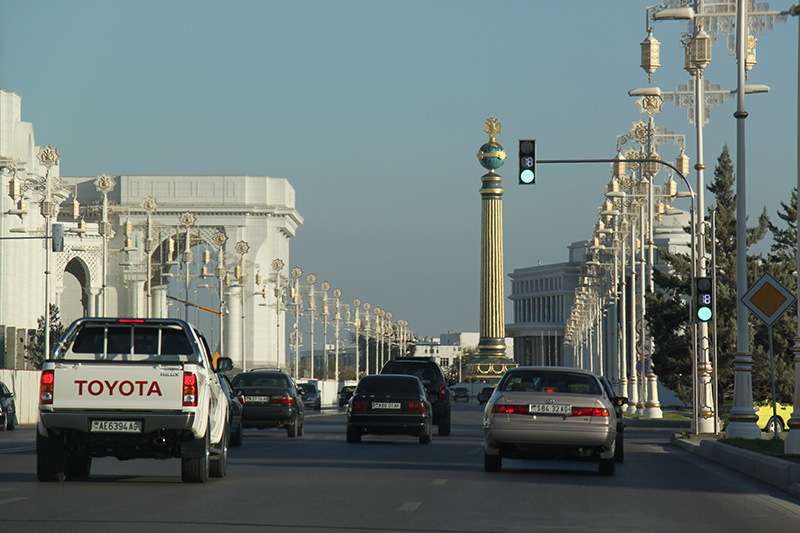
x=195, y=469
x=219, y=461
x=78, y=465
x=51, y=459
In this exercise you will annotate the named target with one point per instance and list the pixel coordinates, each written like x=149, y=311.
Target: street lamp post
x=49, y=157
x=792, y=441
x=105, y=184
x=356, y=326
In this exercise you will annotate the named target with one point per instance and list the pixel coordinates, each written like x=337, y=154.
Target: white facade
x=243, y=223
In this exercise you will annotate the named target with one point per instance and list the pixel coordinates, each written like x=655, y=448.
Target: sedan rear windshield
x=549, y=381
x=374, y=384
x=270, y=381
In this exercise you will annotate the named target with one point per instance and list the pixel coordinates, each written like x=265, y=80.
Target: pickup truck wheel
x=51, y=460
x=78, y=465
x=219, y=463
x=195, y=469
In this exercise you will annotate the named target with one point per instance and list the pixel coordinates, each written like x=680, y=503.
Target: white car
x=550, y=413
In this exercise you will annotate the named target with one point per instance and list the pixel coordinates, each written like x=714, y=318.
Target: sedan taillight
x=510, y=409
x=416, y=407
x=589, y=411
x=282, y=399
x=359, y=406
x=442, y=389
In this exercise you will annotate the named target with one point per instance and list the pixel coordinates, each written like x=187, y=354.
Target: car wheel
x=78, y=465
x=238, y=436
x=195, y=469
x=353, y=434
x=427, y=434
x=10, y=425
x=606, y=467
x=773, y=424
x=444, y=428
x=302, y=430
x=51, y=459
x=492, y=463
x=619, y=449
x=292, y=430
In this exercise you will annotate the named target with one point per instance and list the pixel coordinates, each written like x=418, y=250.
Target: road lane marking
x=20, y=449
x=410, y=506
x=438, y=482
x=11, y=500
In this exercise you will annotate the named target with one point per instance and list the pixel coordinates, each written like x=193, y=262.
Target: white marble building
x=247, y=221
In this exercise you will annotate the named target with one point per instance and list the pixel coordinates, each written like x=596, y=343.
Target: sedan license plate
x=549, y=409
x=256, y=399
x=116, y=426
x=385, y=405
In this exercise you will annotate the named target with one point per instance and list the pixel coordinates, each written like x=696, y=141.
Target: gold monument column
x=492, y=315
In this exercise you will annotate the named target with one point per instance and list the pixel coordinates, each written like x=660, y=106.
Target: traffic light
x=58, y=237
x=527, y=162
x=705, y=299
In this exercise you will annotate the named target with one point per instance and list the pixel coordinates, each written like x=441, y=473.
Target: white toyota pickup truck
x=132, y=388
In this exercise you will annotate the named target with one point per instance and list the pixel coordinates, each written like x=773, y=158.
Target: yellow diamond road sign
x=768, y=299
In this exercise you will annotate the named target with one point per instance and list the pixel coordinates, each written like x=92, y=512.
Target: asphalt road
x=392, y=484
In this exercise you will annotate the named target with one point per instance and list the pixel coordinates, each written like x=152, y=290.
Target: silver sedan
x=550, y=413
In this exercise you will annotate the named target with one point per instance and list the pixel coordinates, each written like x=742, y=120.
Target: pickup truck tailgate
x=114, y=386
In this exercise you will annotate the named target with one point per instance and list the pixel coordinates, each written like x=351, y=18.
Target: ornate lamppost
x=105, y=184
x=49, y=157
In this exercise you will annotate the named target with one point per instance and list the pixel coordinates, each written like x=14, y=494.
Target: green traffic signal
x=705, y=299
x=527, y=162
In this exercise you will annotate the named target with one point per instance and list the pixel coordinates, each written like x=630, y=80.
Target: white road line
x=11, y=500
x=410, y=506
x=438, y=482
x=20, y=449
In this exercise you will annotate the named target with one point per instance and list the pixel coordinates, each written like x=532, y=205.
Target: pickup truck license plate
x=116, y=426
x=550, y=409
x=385, y=405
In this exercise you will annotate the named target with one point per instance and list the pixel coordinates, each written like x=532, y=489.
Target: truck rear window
x=144, y=340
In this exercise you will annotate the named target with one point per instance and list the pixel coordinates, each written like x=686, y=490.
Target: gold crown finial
x=492, y=127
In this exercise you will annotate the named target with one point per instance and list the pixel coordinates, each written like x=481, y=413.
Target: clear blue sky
x=374, y=110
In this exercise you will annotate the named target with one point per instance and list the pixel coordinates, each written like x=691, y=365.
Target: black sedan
x=485, y=394
x=270, y=401
x=345, y=394
x=235, y=409
x=8, y=411
x=389, y=404
x=310, y=396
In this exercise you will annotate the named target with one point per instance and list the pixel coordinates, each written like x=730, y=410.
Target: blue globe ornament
x=491, y=155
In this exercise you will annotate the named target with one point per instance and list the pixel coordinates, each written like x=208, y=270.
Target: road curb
x=779, y=473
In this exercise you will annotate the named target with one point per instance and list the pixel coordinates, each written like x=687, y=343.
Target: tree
x=35, y=350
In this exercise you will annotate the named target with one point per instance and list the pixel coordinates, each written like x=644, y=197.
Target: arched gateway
x=204, y=239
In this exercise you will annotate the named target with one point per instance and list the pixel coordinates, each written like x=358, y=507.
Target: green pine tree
x=35, y=350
